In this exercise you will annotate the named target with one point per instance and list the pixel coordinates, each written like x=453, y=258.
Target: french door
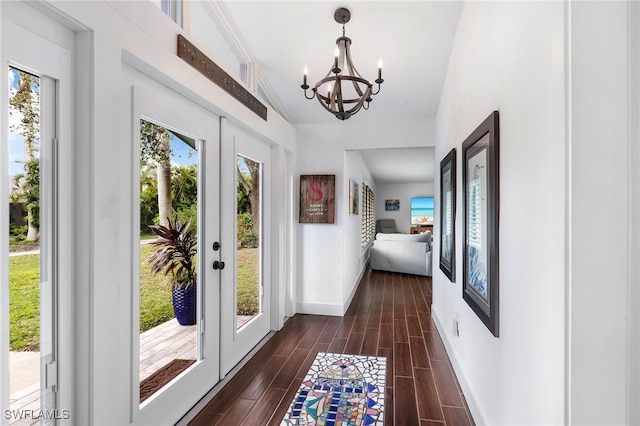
x=176, y=153
x=246, y=219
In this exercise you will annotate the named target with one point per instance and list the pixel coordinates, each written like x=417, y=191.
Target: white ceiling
x=390, y=165
x=413, y=38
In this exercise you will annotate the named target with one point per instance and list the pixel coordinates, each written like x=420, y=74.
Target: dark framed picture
x=448, y=215
x=317, y=198
x=391, y=205
x=480, y=178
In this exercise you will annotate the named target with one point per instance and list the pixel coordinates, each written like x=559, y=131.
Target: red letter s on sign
x=314, y=186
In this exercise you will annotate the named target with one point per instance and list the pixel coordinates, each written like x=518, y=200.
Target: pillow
x=425, y=237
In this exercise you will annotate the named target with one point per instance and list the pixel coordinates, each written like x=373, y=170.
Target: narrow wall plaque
x=194, y=57
x=317, y=198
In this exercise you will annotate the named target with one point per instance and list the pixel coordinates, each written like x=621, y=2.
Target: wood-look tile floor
x=389, y=316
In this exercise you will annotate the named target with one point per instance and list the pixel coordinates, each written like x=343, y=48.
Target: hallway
x=389, y=317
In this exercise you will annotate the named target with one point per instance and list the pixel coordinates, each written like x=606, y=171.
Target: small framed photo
x=480, y=183
x=448, y=215
x=354, y=197
x=392, y=205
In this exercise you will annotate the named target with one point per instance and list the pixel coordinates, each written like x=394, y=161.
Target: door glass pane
x=249, y=241
x=169, y=173
x=24, y=245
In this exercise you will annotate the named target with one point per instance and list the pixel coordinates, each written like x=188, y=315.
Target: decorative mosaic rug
x=340, y=390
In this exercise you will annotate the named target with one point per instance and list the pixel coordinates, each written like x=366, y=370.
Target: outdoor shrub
x=247, y=236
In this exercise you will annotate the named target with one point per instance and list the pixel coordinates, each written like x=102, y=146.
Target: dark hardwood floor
x=389, y=316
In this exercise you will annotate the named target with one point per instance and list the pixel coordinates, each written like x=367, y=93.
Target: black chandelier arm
x=305, y=87
x=377, y=91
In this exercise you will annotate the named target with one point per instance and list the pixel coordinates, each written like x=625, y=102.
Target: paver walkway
x=158, y=346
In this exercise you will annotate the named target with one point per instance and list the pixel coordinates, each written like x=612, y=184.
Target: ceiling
x=413, y=38
x=383, y=164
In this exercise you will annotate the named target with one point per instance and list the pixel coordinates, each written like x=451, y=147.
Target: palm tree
x=25, y=103
x=155, y=147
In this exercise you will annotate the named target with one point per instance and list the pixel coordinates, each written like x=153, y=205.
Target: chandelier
x=343, y=100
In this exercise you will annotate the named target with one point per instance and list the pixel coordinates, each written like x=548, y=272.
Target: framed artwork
x=392, y=205
x=354, y=197
x=448, y=215
x=317, y=198
x=480, y=178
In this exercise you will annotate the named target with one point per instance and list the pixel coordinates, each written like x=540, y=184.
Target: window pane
x=168, y=255
x=249, y=240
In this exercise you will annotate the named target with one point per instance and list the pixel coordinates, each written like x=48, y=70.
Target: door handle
x=218, y=265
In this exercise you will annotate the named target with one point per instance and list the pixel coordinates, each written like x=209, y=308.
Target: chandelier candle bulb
x=380, y=69
x=305, y=72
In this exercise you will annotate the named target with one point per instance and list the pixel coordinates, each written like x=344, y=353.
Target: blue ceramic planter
x=184, y=304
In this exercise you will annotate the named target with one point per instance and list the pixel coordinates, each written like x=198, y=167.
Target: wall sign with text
x=317, y=198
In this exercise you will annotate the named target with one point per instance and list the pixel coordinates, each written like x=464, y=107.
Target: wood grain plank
x=344, y=328
x=428, y=402
x=370, y=342
x=413, y=326
x=261, y=381
x=337, y=345
x=456, y=416
x=385, y=339
x=434, y=345
x=237, y=412
x=446, y=383
x=419, y=355
x=329, y=330
x=402, y=355
x=405, y=410
x=311, y=334
x=354, y=343
x=264, y=408
x=400, y=333
x=289, y=369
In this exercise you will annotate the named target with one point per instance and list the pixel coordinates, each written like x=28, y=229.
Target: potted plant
x=174, y=252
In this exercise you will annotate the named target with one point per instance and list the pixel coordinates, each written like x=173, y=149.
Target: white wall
x=404, y=193
x=354, y=168
x=509, y=56
x=325, y=282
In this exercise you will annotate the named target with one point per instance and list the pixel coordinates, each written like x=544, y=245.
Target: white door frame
x=36, y=43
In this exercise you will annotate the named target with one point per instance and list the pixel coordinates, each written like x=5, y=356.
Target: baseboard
x=347, y=302
x=476, y=412
x=335, y=310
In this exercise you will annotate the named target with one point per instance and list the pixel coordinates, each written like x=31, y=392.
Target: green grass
x=24, y=303
x=155, y=296
x=156, y=306
x=248, y=292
